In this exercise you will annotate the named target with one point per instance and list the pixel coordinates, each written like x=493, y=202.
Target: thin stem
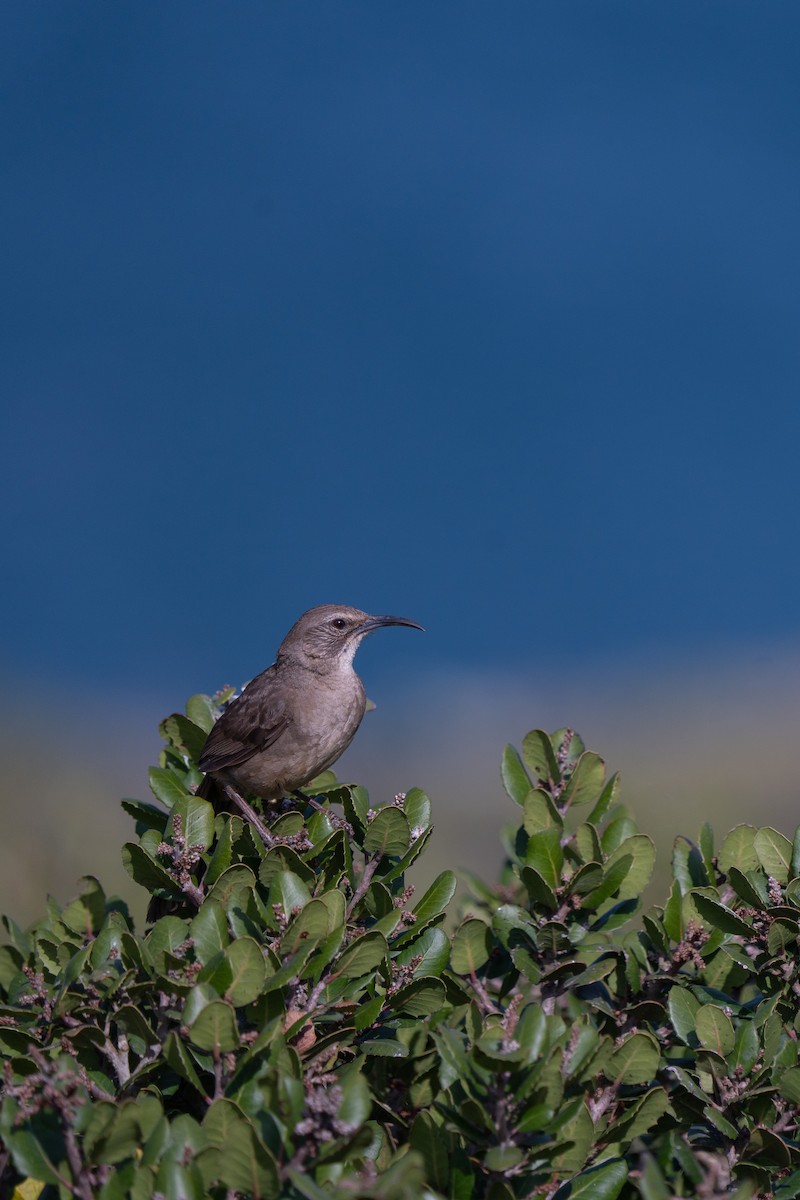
x=249, y=814
x=370, y=867
x=195, y=893
x=82, y=1186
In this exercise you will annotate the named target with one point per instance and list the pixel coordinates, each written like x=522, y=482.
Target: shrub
x=300, y=1025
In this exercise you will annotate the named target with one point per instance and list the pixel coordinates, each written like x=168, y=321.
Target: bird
x=297, y=717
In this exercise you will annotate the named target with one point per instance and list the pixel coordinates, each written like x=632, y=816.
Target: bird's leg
x=249, y=813
x=336, y=821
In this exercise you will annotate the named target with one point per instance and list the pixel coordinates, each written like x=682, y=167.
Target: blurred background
x=482, y=315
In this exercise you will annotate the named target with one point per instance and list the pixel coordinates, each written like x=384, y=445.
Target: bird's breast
x=328, y=715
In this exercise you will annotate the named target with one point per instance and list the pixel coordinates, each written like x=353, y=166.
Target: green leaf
x=420, y=998
x=363, y=955
x=604, y=1182
x=738, y=850
x=789, y=1085
x=774, y=853
x=654, y=923
x=246, y=1165
x=745, y=888
x=472, y=945
x=384, y=1047
x=642, y=852
x=288, y=824
x=388, y=834
x=134, y=1121
x=687, y=865
x=586, y=781
x=335, y=904
x=432, y=948
x=178, y=1057
x=782, y=934
x=222, y=857
x=30, y=1157
x=586, y=879
x=290, y=892
x=248, y=971
x=514, y=926
x=417, y=807
x=745, y=1050
x=233, y=879
x=146, y=871
x=215, y=1029
x=540, y=813
x=587, y=843
x=715, y=1029
x=165, y=786
x=607, y=798
x=719, y=916
x=683, y=1006
x=636, y=1059
x=412, y=854
x=721, y=1123
x=311, y=925
x=706, y=843
x=164, y=938
x=133, y=1021
x=574, y=1141
x=367, y=1014
x=545, y=855
x=187, y=738
x=613, y=878
x=355, y=802
x=503, y=1158
x=201, y=712
x=146, y=816
x=428, y=1139
x=641, y=1117
x=86, y=913
x=539, y=756
x=197, y=820
x=315, y=960
x=174, y=1181
x=436, y=899
x=616, y=832
x=356, y=1102
x=516, y=780
x=537, y=889
x=283, y=858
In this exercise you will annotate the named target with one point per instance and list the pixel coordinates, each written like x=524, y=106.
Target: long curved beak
x=378, y=622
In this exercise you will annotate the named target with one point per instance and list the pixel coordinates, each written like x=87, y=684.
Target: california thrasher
x=296, y=718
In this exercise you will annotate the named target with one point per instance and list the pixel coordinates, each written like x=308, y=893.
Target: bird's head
x=331, y=633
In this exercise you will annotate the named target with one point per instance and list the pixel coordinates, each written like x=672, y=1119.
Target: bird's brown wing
x=254, y=721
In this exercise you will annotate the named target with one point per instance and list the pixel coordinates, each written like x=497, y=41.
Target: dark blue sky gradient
x=483, y=314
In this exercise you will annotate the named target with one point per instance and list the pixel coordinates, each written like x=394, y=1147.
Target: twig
x=82, y=1186
x=219, y=1085
x=249, y=813
x=194, y=892
x=370, y=867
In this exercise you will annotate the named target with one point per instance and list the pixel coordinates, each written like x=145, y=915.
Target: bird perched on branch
x=295, y=719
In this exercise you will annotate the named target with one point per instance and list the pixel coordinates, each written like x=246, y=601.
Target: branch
x=370, y=867
x=249, y=814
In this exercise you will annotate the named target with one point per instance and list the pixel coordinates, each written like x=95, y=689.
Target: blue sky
x=485, y=315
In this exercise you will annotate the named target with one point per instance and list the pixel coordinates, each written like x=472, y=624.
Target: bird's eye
x=339, y=623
